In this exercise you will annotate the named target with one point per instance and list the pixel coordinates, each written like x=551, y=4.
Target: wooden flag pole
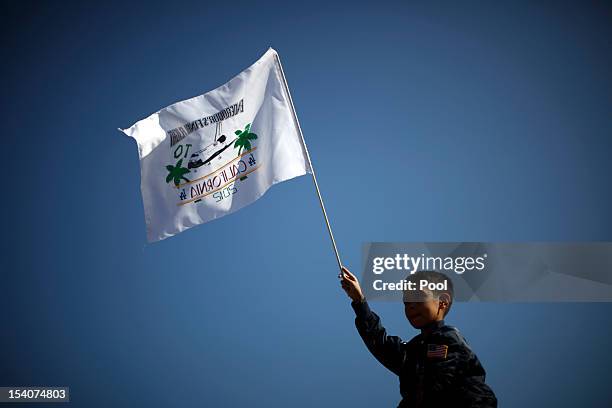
x=314, y=177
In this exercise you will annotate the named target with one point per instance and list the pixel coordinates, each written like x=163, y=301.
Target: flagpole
x=314, y=177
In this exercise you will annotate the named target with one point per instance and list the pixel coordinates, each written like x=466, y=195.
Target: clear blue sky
x=426, y=121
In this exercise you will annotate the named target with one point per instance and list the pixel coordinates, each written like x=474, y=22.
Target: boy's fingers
x=347, y=278
x=347, y=272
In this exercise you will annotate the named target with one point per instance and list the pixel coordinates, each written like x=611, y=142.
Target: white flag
x=211, y=155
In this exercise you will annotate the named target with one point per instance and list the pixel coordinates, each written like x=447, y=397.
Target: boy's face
x=422, y=308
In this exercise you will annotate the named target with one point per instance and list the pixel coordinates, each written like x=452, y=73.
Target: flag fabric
x=211, y=155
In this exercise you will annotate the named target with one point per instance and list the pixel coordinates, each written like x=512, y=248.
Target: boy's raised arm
x=387, y=349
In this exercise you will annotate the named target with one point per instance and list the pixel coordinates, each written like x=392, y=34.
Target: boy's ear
x=444, y=299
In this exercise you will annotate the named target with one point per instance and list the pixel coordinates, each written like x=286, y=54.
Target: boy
x=436, y=368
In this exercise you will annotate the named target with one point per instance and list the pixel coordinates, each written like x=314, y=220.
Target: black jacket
x=437, y=370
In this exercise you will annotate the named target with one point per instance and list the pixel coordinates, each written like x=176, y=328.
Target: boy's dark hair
x=435, y=277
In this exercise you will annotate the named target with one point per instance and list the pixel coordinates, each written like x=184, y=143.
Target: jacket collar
x=432, y=327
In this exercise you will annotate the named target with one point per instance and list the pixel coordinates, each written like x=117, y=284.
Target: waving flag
x=211, y=155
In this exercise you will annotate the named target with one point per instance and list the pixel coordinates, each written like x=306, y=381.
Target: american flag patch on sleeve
x=437, y=351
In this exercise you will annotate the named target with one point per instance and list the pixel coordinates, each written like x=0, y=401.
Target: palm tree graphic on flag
x=176, y=173
x=244, y=138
